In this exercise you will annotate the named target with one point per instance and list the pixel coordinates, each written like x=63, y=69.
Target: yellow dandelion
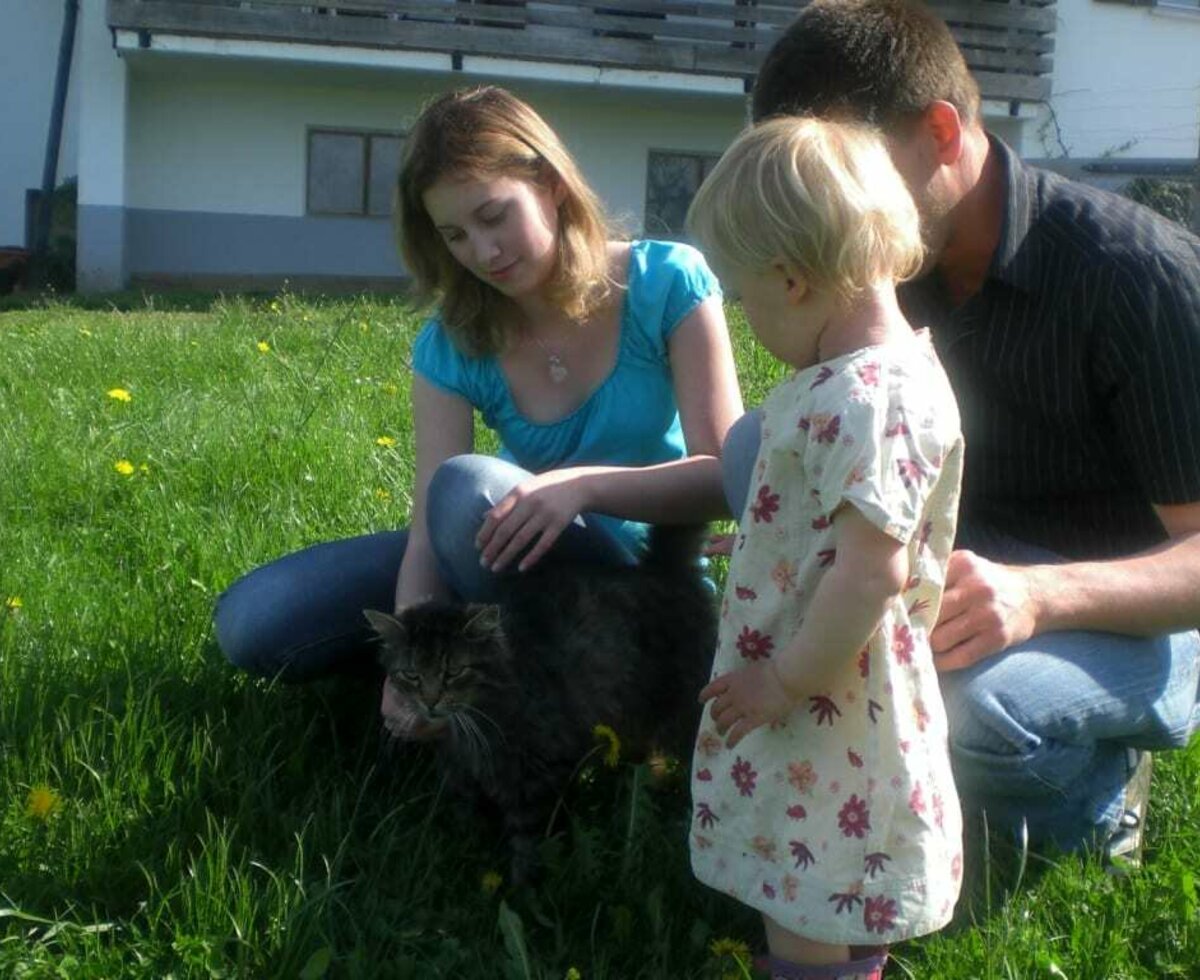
x=573, y=974
x=386, y=441
x=663, y=766
x=391, y=389
x=263, y=347
x=84, y=332
x=381, y=494
x=733, y=948
x=124, y=467
x=491, y=882
x=275, y=306
x=41, y=802
x=13, y=603
x=119, y=395
x=612, y=753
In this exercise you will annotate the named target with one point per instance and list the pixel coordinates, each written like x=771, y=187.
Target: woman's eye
x=410, y=677
x=491, y=220
x=453, y=673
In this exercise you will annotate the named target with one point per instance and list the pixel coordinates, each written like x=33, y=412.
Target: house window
x=352, y=172
x=672, y=179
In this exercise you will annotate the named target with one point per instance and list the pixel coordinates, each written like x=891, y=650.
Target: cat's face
x=441, y=657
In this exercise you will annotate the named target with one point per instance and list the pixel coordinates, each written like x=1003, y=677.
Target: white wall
x=207, y=135
x=29, y=39
x=1122, y=74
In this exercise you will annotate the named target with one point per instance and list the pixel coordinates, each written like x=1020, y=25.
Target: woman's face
x=503, y=230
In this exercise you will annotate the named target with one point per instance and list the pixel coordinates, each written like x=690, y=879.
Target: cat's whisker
x=476, y=710
x=478, y=746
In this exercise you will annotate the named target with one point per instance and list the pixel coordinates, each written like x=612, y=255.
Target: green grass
x=209, y=825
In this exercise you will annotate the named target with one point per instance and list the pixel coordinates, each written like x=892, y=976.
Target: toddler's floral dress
x=841, y=823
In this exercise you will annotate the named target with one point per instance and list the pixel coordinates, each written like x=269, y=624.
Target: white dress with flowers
x=842, y=822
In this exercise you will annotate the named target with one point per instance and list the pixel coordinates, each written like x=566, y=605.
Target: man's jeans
x=1038, y=732
x=301, y=616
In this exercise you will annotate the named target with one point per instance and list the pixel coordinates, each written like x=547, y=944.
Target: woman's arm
x=710, y=401
x=683, y=491
x=443, y=425
x=870, y=570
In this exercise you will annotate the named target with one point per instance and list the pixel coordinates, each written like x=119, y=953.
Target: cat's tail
x=674, y=547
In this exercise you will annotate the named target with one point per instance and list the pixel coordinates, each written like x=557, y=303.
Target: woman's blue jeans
x=301, y=617
x=1039, y=732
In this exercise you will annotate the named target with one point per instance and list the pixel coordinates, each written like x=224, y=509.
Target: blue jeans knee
x=461, y=492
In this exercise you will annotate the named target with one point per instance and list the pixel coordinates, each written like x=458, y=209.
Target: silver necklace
x=555, y=366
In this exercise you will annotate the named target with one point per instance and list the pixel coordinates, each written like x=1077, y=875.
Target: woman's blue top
x=631, y=419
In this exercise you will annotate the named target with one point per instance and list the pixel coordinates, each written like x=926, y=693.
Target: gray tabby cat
x=520, y=686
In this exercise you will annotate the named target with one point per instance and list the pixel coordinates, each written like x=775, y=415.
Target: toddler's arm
x=869, y=570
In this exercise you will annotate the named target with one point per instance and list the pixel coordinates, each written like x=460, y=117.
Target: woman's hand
x=534, y=513
x=402, y=719
x=746, y=699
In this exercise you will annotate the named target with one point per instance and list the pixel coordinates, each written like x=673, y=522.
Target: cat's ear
x=482, y=622
x=389, y=628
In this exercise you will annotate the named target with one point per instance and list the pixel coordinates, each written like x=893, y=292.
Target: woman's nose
x=486, y=248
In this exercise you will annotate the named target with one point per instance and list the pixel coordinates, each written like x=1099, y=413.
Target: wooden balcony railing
x=1008, y=43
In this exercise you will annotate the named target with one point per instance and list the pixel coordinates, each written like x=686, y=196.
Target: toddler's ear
x=794, y=282
x=389, y=628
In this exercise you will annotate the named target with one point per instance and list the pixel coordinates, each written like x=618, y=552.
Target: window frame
x=707, y=160
x=366, y=135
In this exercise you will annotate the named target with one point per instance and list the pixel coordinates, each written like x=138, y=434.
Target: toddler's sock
x=867, y=968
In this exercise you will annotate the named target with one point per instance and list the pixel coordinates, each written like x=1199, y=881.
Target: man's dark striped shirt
x=1077, y=368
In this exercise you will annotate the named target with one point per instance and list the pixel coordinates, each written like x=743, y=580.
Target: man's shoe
x=1123, y=850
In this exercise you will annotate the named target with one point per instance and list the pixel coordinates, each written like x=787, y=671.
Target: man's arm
x=988, y=607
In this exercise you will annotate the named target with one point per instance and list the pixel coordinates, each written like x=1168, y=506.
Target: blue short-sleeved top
x=631, y=419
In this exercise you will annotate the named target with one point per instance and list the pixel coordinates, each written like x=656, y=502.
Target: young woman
x=603, y=365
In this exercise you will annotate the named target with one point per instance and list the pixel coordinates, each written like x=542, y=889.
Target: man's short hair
x=880, y=61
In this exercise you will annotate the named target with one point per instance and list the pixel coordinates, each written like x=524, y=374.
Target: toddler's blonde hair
x=820, y=195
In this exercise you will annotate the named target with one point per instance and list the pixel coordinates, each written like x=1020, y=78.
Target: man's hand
x=986, y=608
x=746, y=699
x=534, y=513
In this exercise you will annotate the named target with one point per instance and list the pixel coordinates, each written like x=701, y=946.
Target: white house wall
x=1126, y=83
x=216, y=182
x=101, y=246
x=29, y=40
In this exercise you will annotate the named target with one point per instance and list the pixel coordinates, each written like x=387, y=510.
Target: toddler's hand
x=746, y=699
x=717, y=545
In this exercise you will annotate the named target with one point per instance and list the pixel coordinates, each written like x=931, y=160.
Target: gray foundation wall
x=247, y=251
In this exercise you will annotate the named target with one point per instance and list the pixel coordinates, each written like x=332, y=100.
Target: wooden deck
x=1007, y=43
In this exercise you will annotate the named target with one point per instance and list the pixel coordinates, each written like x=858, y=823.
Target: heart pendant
x=558, y=370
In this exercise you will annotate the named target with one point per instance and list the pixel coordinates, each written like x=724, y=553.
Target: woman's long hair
x=485, y=133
